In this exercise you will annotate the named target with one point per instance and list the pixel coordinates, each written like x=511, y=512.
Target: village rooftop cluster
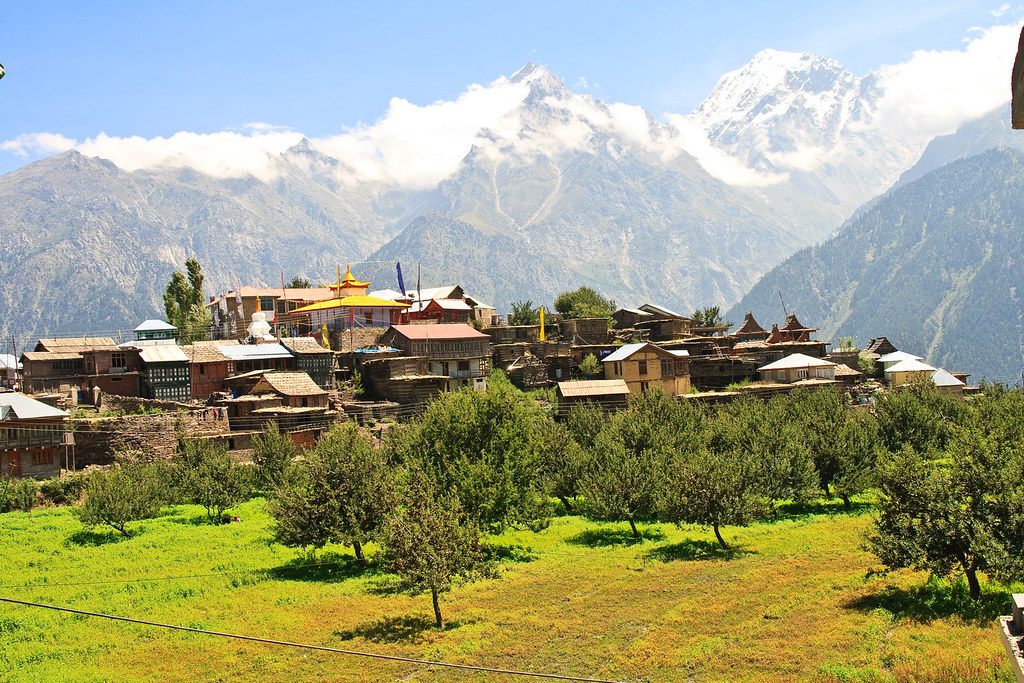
x=306, y=358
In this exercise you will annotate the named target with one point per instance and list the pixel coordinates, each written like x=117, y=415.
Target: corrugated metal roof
x=897, y=356
x=255, y=351
x=443, y=331
x=25, y=408
x=911, y=365
x=797, y=360
x=593, y=387
x=941, y=378
x=163, y=353
x=154, y=326
x=660, y=310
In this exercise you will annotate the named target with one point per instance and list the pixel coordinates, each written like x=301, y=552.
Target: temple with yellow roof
x=349, y=308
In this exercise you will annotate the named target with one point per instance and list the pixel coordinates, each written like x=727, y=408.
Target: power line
x=321, y=648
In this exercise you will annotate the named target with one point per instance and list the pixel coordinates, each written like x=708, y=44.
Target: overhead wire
x=320, y=648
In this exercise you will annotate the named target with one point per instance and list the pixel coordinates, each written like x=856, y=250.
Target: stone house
x=312, y=359
x=77, y=366
x=31, y=437
x=645, y=365
x=455, y=351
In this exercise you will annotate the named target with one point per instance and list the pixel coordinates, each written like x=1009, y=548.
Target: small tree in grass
x=430, y=544
x=120, y=496
x=340, y=493
x=963, y=514
x=714, y=489
x=272, y=453
x=209, y=475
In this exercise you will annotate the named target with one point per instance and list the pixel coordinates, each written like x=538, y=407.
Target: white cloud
x=221, y=155
x=1001, y=11
x=37, y=143
x=690, y=137
x=934, y=92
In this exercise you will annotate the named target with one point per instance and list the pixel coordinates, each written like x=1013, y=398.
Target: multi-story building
x=31, y=437
x=455, y=351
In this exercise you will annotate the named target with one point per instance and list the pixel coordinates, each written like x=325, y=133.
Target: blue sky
x=154, y=69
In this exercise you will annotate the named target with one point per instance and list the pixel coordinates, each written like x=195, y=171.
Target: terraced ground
x=797, y=600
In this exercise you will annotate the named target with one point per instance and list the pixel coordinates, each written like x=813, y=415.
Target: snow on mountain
x=807, y=117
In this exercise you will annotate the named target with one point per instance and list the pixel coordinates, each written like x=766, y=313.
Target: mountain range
x=562, y=190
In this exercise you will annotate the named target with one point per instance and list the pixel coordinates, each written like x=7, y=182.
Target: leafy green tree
x=183, y=303
x=961, y=514
x=430, y=543
x=272, y=453
x=210, y=476
x=918, y=415
x=782, y=462
x=121, y=496
x=584, y=302
x=524, y=313
x=561, y=462
x=299, y=283
x=585, y=422
x=485, y=448
x=342, y=490
x=714, y=489
x=709, y=316
x=590, y=366
x=625, y=474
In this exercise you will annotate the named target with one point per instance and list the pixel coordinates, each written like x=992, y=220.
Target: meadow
x=797, y=598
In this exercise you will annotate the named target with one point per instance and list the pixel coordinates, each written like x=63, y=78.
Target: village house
x=9, y=368
x=313, y=359
x=209, y=367
x=585, y=331
x=797, y=367
x=455, y=351
x=31, y=437
x=403, y=379
x=610, y=394
x=290, y=399
x=165, y=373
x=448, y=293
x=77, y=366
x=945, y=381
x=645, y=365
x=910, y=370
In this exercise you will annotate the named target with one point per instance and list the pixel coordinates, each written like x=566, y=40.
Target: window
x=118, y=360
x=42, y=456
x=267, y=303
x=642, y=367
x=463, y=366
x=802, y=374
x=667, y=367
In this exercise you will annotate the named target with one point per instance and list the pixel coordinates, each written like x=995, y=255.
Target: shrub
x=65, y=490
x=17, y=494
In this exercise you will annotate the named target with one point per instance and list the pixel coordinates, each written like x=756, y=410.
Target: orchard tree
x=430, y=543
x=210, y=476
x=963, y=514
x=122, y=495
x=590, y=366
x=625, y=474
x=714, y=490
x=561, y=462
x=340, y=493
x=918, y=415
x=272, y=454
x=485, y=447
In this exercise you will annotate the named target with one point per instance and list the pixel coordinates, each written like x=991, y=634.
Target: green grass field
x=797, y=600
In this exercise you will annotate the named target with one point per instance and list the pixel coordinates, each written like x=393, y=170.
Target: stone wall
x=132, y=404
x=99, y=439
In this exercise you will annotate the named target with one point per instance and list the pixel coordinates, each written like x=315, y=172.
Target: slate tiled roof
x=288, y=384
x=303, y=345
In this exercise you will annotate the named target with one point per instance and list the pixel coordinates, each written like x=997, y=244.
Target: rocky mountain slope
x=562, y=190
x=935, y=265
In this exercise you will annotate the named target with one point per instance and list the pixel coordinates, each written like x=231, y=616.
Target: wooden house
x=586, y=331
x=291, y=399
x=77, y=366
x=908, y=371
x=455, y=351
x=165, y=373
x=232, y=312
x=209, y=367
x=645, y=365
x=31, y=437
x=313, y=359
